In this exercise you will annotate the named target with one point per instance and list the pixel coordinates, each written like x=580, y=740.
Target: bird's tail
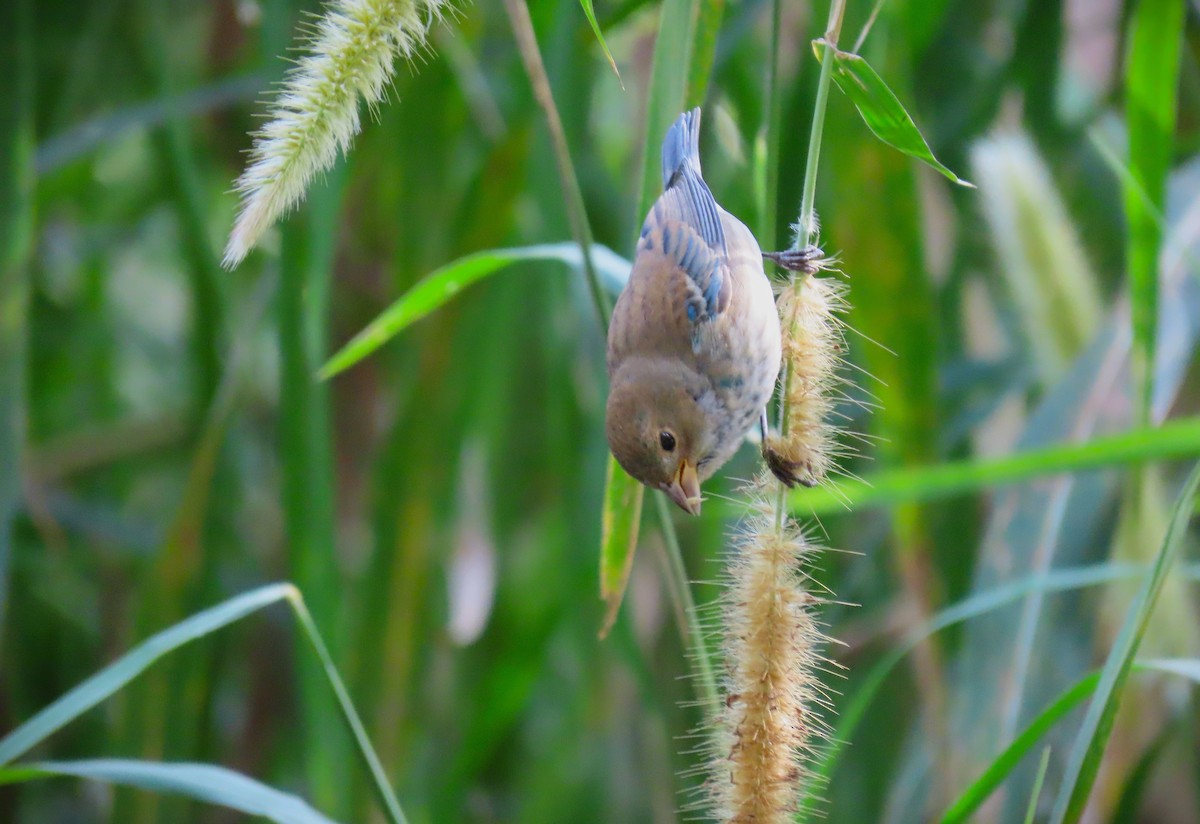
x=681, y=146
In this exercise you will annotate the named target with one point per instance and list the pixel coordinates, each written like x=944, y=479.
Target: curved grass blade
x=119, y=673
x=880, y=109
x=1151, y=82
x=203, y=782
x=440, y=286
x=1176, y=439
x=1061, y=580
x=382, y=787
x=590, y=14
x=105, y=683
x=1086, y=753
x=979, y=791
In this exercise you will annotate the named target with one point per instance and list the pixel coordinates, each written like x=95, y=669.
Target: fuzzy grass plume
x=352, y=55
x=770, y=725
x=770, y=722
x=813, y=343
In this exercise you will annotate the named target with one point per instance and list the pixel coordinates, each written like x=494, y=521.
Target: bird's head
x=658, y=433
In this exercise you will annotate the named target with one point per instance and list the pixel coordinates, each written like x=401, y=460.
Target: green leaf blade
x=119, y=673
x=881, y=110
x=590, y=13
x=1083, y=764
x=1151, y=80
x=439, y=287
x=203, y=782
x=619, y=524
x=1175, y=439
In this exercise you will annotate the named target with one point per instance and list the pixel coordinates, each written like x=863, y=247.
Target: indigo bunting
x=694, y=342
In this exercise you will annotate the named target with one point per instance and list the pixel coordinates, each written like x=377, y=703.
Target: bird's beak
x=685, y=489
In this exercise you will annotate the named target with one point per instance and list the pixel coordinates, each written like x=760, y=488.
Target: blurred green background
x=165, y=446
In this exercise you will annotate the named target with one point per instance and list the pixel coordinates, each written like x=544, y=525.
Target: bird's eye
x=666, y=440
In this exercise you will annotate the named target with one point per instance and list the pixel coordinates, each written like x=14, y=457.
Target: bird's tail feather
x=681, y=146
x=685, y=195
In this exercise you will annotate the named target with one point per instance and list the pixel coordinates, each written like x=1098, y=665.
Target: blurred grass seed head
x=352, y=55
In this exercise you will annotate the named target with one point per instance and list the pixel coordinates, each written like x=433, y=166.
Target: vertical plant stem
x=306, y=449
x=16, y=240
x=807, y=227
x=307, y=469
x=681, y=593
x=768, y=209
x=526, y=37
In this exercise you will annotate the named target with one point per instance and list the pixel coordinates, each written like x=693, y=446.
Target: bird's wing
x=690, y=268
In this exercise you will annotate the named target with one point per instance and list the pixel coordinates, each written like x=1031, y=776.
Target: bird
x=694, y=346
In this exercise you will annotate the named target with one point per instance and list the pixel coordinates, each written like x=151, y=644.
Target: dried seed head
x=769, y=722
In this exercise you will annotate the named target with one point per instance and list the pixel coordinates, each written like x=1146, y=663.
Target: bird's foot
x=805, y=260
x=788, y=471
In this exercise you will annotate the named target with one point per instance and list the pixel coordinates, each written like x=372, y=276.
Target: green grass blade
x=1038, y=781
x=16, y=242
x=669, y=92
x=1151, y=81
x=306, y=463
x=704, y=50
x=1062, y=580
x=880, y=109
x=366, y=752
x=620, y=519
x=590, y=14
x=1084, y=761
x=119, y=673
x=1176, y=439
x=969, y=802
x=1137, y=783
x=202, y=782
x=979, y=791
x=440, y=286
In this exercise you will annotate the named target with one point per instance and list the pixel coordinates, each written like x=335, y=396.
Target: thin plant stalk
x=526, y=37
x=807, y=229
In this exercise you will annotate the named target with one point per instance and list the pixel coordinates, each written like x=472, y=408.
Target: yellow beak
x=685, y=489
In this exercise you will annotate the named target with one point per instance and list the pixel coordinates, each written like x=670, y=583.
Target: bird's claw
x=789, y=472
x=806, y=260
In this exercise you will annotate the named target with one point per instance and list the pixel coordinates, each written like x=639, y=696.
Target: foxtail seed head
x=813, y=343
x=352, y=55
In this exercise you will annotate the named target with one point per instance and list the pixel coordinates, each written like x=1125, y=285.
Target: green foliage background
x=164, y=443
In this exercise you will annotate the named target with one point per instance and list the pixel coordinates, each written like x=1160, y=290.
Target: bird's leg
x=806, y=260
x=786, y=470
x=789, y=472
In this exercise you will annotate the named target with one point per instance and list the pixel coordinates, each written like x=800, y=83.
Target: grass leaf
x=1176, y=439
x=203, y=782
x=1151, y=81
x=979, y=791
x=119, y=673
x=590, y=13
x=619, y=523
x=1083, y=764
x=880, y=109
x=1060, y=580
x=438, y=287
